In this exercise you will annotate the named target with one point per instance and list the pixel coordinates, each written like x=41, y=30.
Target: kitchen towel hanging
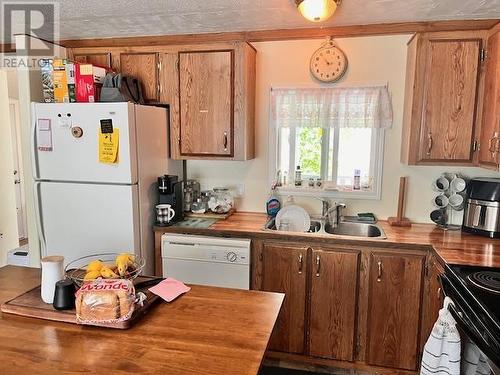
x=442, y=350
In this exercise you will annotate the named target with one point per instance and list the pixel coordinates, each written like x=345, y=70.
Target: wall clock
x=328, y=63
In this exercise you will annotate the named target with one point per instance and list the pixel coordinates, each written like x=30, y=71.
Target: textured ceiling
x=81, y=19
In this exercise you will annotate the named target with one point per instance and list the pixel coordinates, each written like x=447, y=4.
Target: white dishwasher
x=214, y=261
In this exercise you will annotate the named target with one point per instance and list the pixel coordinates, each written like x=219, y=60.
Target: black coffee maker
x=170, y=192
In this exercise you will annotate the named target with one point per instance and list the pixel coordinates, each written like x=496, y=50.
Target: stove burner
x=488, y=280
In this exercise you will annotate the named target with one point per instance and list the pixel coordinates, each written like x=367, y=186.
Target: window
x=333, y=135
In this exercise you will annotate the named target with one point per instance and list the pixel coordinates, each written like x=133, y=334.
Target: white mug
x=441, y=184
x=456, y=202
x=52, y=272
x=458, y=185
x=440, y=201
x=166, y=211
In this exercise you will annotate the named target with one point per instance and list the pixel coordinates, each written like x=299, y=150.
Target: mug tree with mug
x=450, y=189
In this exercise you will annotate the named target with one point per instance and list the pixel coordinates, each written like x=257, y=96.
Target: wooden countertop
x=206, y=331
x=452, y=247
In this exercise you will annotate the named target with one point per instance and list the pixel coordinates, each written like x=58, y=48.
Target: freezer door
x=65, y=142
x=84, y=219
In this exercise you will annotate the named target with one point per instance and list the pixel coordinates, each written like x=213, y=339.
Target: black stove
x=488, y=281
x=475, y=292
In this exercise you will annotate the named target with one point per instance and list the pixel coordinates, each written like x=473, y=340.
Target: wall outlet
x=239, y=190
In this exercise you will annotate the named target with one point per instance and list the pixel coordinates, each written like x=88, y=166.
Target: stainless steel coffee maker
x=482, y=208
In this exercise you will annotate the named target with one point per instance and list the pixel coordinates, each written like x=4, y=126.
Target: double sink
x=344, y=228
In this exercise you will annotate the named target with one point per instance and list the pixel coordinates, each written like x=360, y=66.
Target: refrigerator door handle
x=38, y=216
x=33, y=151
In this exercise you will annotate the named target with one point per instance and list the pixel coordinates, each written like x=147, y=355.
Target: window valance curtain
x=343, y=107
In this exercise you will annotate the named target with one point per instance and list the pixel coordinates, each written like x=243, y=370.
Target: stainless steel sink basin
x=356, y=230
x=343, y=229
x=315, y=226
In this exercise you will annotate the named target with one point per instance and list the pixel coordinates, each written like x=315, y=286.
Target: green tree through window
x=309, y=150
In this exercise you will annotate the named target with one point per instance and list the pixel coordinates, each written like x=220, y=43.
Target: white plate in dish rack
x=298, y=219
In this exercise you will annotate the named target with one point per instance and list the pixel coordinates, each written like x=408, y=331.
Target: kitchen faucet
x=331, y=213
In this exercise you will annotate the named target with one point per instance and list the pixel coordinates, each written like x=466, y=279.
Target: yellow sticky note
x=108, y=146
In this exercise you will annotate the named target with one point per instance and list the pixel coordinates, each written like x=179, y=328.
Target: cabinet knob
x=225, y=141
x=429, y=143
x=301, y=263
x=318, y=265
x=379, y=275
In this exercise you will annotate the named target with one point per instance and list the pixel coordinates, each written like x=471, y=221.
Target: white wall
x=379, y=59
x=8, y=220
x=30, y=90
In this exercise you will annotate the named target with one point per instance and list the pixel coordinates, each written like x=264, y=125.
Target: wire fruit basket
x=78, y=268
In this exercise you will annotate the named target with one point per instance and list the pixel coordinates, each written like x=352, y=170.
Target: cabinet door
x=101, y=59
x=450, y=94
x=206, y=103
x=433, y=298
x=284, y=270
x=490, y=128
x=334, y=282
x=394, y=310
x=144, y=67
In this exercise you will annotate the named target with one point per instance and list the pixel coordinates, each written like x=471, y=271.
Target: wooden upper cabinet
x=211, y=93
x=450, y=93
x=143, y=66
x=489, y=150
x=206, y=103
x=394, y=307
x=442, y=98
x=334, y=280
x=101, y=59
x=284, y=270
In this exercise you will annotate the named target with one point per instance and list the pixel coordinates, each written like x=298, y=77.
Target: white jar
x=52, y=272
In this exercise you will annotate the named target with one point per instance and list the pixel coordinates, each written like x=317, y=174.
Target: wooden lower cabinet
x=346, y=306
x=394, y=309
x=434, y=297
x=284, y=270
x=334, y=280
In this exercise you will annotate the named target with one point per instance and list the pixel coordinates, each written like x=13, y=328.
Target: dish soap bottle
x=298, y=176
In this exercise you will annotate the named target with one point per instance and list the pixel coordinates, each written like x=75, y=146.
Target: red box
x=86, y=90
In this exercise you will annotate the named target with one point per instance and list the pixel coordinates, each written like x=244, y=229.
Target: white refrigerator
x=95, y=167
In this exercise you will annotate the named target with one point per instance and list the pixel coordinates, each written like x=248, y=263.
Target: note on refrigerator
x=44, y=135
x=108, y=146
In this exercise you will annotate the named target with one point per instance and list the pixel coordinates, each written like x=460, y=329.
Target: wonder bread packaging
x=105, y=301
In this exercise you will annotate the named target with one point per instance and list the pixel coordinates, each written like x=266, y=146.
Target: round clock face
x=329, y=63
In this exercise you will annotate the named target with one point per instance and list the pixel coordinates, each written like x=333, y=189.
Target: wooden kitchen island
x=206, y=331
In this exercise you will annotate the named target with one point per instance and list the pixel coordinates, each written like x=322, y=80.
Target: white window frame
x=376, y=166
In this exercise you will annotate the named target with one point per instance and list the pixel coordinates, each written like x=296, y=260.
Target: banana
x=95, y=265
x=108, y=273
x=92, y=275
x=123, y=261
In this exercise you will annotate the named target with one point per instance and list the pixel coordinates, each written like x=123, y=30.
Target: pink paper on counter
x=169, y=289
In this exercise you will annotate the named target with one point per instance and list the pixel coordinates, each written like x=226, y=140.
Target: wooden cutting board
x=30, y=304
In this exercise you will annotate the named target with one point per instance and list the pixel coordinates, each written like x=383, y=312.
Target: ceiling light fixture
x=317, y=10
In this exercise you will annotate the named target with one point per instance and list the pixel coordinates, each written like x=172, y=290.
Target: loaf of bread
x=105, y=301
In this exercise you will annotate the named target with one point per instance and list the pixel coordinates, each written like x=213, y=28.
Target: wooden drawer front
x=143, y=66
x=206, y=103
x=394, y=310
x=101, y=59
x=450, y=94
x=334, y=281
x=284, y=270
